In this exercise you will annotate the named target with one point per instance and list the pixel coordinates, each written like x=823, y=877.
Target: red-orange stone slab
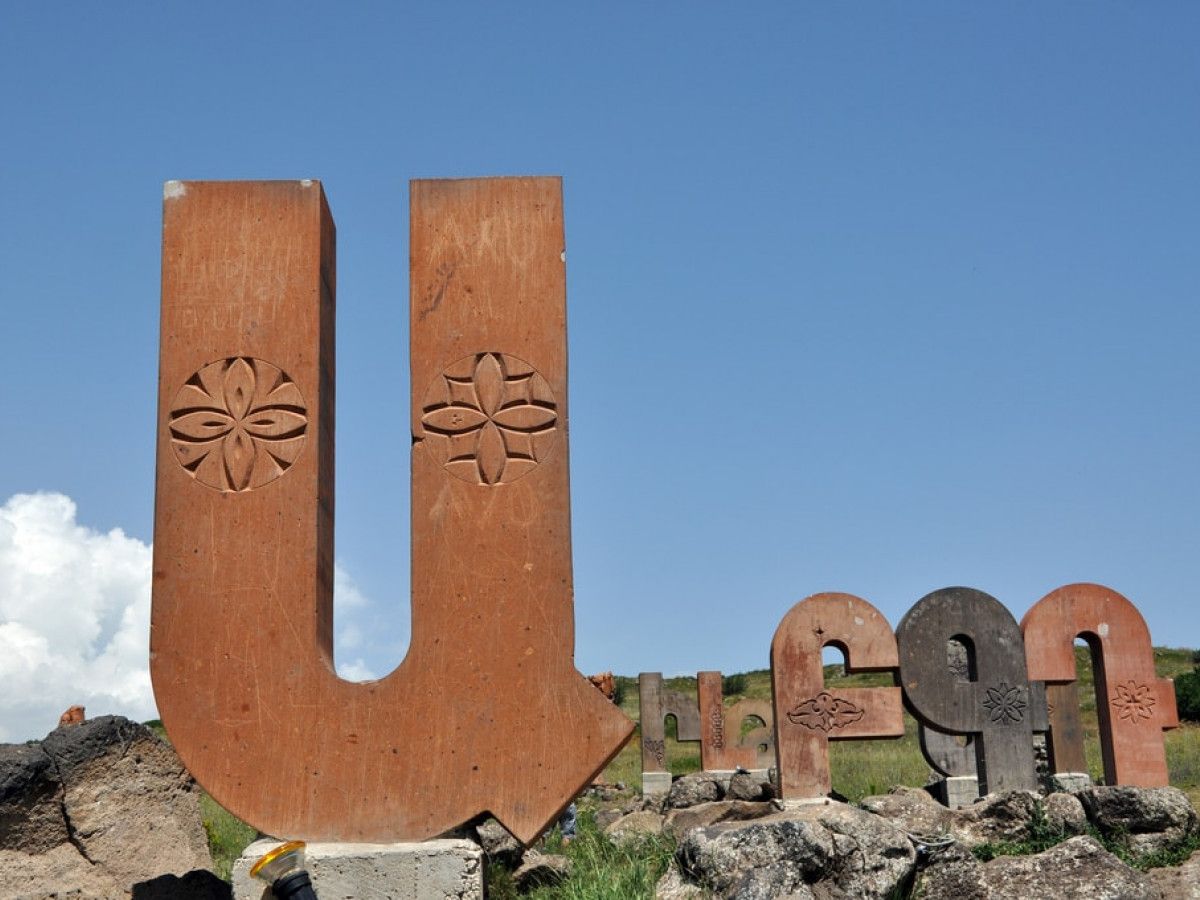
x=807, y=716
x=486, y=712
x=719, y=748
x=1133, y=704
x=759, y=738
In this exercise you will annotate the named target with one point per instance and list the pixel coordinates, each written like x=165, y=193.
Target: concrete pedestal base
x=1070, y=781
x=957, y=791
x=656, y=784
x=442, y=869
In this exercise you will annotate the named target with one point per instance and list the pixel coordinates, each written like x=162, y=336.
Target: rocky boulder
x=996, y=818
x=692, y=789
x=746, y=786
x=679, y=822
x=635, y=825
x=1065, y=813
x=498, y=845
x=541, y=870
x=1148, y=819
x=832, y=848
x=96, y=808
x=1077, y=869
x=1178, y=882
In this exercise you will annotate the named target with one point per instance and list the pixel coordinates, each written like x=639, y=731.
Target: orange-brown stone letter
x=486, y=712
x=807, y=716
x=1133, y=705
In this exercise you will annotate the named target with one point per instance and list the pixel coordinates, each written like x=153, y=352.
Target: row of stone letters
x=1006, y=681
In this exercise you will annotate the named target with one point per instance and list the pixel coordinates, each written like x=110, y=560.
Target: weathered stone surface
x=746, y=786
x=1133, y=704
x=541, y=870
x=132, y=807
x=951, y=873
x=605, y=817
x=996, y=817
x=498, y=843
x=102, y=805
x=996, y=708
x=1077, y=869
x=241, y=621
x=1065, y=813
x=911, y=809
x=31, y=818
x=689, y=790
x=1148, y=818
x=673, y=886
x=826, y=850
x=445, y=869
x=1179, y=882
x=634, y=825
x=807, y=716
x=679, y=822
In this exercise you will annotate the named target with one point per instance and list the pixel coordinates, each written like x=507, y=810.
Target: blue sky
x=874, y=297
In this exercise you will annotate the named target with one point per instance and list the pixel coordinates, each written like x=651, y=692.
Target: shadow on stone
x=198, y=884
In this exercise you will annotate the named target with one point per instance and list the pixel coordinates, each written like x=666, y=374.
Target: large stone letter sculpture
x=486, y=712
x=807, y=716
x=723, y=747
x=996, y=707
x=655, y=703
x=1133, y=705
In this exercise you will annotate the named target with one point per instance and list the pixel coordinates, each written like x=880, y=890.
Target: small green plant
x=600, y=868
x=228, y=835
x=1041, y=835
x=1116, y=842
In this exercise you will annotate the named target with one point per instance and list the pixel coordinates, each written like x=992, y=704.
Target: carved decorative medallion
x=1005, y=704
x=825, y=712
x=1134, y=702
x=237, y=424
x=490, y=418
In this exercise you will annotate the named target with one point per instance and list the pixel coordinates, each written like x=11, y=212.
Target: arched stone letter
x=722, y=745
x=995, y=708
x=655, y=703
x=1133, y=704
x=807, y=716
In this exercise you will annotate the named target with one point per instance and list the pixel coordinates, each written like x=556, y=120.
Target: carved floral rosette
x=237, y=424
x=489, y=419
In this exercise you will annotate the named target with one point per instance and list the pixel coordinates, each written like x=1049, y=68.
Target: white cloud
x=75, y=619
x=347, y=635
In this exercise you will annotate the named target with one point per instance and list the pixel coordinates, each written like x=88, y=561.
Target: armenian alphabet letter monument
x=1008, y=682
x=486, y=712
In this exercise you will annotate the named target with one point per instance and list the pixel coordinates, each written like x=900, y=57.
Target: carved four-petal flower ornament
x=825, y=712
x=1134, y=702
x=237, y=424
x=1005, y=703
x=489, y=418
